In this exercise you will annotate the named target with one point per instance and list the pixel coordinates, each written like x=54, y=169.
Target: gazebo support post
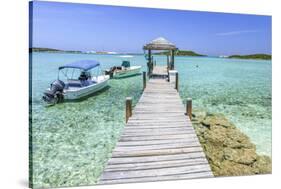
x=168, y=63
x=173, y=60
x=149, y=63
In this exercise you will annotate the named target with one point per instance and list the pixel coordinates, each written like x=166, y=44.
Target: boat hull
x=134, y=70
x=75, y=94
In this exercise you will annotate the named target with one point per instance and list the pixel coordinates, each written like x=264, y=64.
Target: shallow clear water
x=72, y=141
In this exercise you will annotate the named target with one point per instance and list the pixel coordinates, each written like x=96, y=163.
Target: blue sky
x=86, y=27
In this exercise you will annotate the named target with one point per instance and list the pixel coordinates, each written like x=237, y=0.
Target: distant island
x=252, y=56
x=51, y=50
x=180, y=53
x=39, y=49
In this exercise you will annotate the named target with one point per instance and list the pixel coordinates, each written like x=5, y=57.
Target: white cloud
x=236, y=32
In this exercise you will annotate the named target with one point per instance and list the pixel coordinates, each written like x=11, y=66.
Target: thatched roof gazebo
x=160, y=44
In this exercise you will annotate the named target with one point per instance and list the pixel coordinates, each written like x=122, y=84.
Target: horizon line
x=128, y=52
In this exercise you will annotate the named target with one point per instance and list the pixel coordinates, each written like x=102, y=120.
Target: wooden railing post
x=177, y=81
x=189, y=108
x=144, y=79
x=128, y=108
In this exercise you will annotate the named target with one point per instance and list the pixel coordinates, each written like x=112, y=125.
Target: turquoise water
x=72, y=141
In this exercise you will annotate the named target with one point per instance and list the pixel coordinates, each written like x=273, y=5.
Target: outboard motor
x=55, y=93
x=110, y=71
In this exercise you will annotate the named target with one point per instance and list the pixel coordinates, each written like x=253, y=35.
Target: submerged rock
x=229, y=151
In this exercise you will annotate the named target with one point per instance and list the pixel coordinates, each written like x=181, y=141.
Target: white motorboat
x=125, y=70
x=80, y=84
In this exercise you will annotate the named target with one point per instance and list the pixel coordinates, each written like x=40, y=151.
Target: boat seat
x=79, y=83
x=74, y=83
x=87, y=82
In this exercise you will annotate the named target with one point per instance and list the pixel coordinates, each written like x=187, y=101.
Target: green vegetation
x=39, y=49
x=252, y=56
x=180, y=53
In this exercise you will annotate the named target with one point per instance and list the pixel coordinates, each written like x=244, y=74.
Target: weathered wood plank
x=107, y=175
x=144, y=132
x=156, y=129
x=176, y=117
x=155, y=125
x=189, y=144
x=154, y=142
x=172, y=120
x=159, y=132
x=156, y=137
x=159, y=121
x=154, y=165
x=142, y=159
x=162, y=178
x=172, y=116
x=157, y=152
x=163, y=110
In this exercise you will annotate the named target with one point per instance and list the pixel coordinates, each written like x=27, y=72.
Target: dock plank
x=159, y=147
x=154, y=142
x=153, y=165
x=121, y=160
x=154, y=172
x=158, y=141
x=194, y=175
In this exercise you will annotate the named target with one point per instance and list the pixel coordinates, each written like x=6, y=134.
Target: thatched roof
x=160, y=44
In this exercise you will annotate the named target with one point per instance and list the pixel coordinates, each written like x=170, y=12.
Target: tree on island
x=180, y=53
x=252, y=56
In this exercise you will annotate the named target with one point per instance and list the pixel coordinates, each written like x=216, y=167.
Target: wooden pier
x=158, y=142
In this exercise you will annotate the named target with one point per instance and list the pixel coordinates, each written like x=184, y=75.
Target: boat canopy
x=82, y=64
x=126, y=64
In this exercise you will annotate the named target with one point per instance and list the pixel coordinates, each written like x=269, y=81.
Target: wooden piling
x=128, y=108
x=189, y=107
x=144, y=79
x=177, y=82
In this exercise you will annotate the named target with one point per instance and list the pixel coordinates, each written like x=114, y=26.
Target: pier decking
x=158, y=142
x=160, y=71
